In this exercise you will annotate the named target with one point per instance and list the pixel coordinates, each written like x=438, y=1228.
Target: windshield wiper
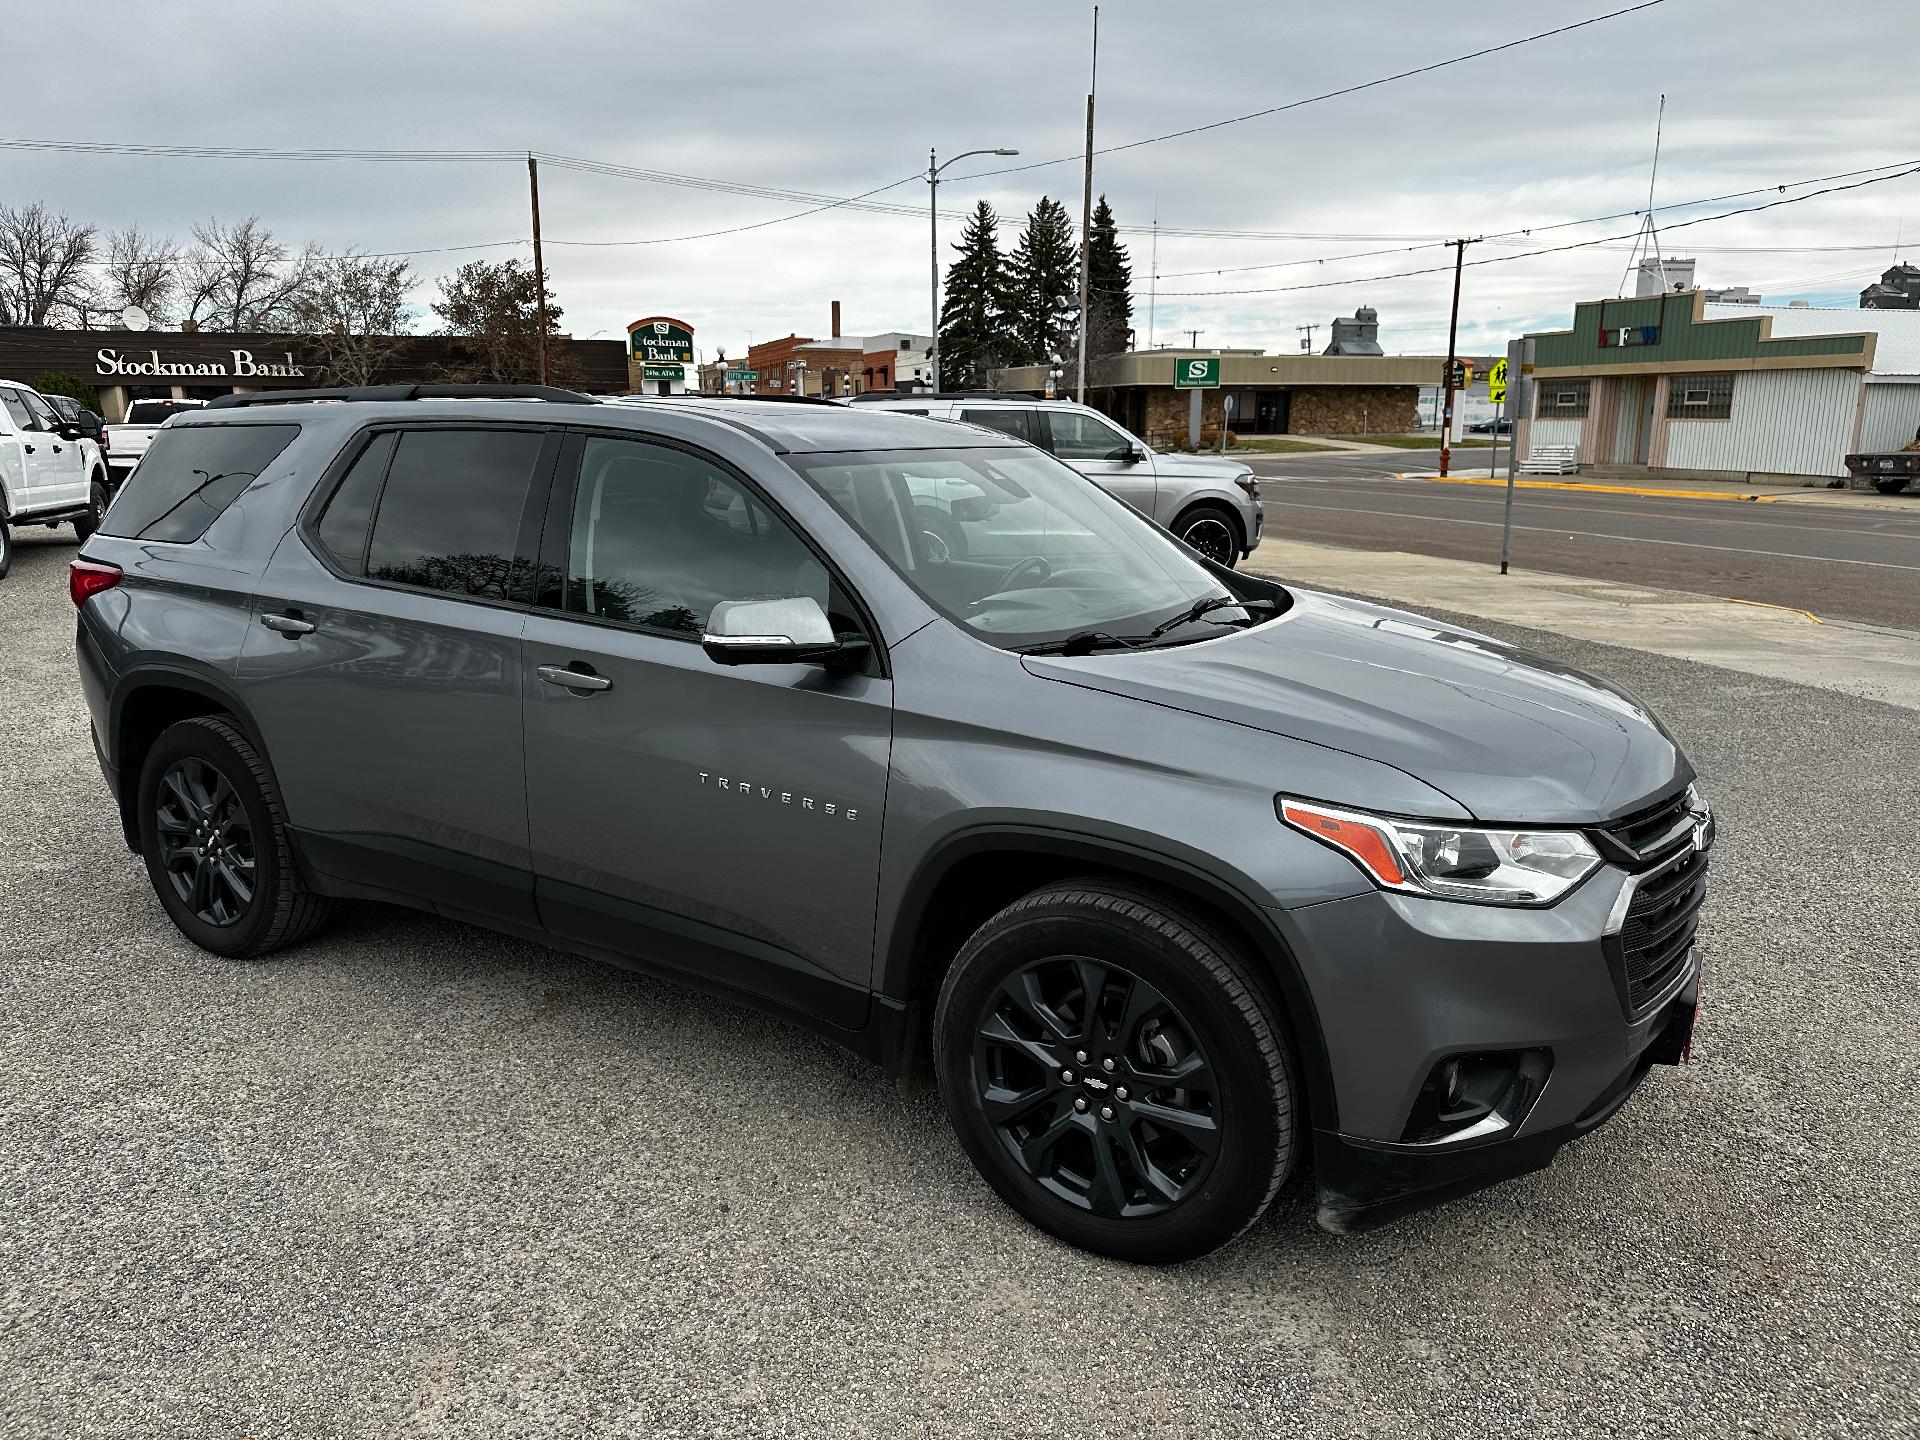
x=1202, y=608
x=1081, y=642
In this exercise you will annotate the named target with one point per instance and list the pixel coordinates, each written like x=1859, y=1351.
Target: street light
x=933, y=249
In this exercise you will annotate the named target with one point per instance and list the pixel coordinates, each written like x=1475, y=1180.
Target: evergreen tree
x=974, y=333
x=1046, y=285
x=1109, y=288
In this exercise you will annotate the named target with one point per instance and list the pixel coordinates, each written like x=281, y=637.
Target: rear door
x=17, y=471
x=724, y=820
x=1103, y=453
x=383, y=665
x=65, y=477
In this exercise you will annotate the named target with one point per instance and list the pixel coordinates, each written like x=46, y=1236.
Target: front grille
x=1639, y=836
x=1662, y=919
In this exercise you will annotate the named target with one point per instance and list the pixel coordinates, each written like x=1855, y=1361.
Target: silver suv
x=1180, y=882
x=1208, y=501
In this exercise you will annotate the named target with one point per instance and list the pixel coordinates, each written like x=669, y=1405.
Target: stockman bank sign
x=658, y=340
x=242, y=366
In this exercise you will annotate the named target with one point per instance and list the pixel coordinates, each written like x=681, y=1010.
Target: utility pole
x=1193, y=339
x=1453, y=333
x=539, y=269
x=1309, y=329
x=1153, y=282
x=1086, y=211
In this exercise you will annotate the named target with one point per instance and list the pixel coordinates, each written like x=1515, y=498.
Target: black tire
x=85, y=525
x=1226, y=1136
x=1213, y=530
x=1891, y=487
x=243, y=823
x=6, y=549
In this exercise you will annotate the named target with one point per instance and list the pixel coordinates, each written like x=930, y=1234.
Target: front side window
x=1078, y=436
x=448, y=517
x=1013, y=545
x=16, y=409
x=41, y=411
x=189, y=476
x=661, y=536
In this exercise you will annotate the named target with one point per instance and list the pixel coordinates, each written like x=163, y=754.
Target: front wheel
x=1116, y=1073
x=6, y=549
x=1210, y=530
x=215, y=841
x=84, y=526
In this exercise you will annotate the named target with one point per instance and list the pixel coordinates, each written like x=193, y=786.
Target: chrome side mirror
x=774, y=632
x=1136, y=453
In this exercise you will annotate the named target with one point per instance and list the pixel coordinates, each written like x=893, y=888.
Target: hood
x=1214, y=467
x=1509, y=734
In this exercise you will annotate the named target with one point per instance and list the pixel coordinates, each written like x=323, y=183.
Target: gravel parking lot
x=416, y=1178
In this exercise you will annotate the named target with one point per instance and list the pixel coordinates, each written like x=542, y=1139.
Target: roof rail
x=872, y=395
x=404, y=392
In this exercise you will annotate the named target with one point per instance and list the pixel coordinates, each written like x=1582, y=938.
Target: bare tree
x=142, y=270
x=239, y=277
x=351, y=312
x=43, y=266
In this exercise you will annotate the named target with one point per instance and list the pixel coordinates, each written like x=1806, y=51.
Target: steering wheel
x=1032, y=562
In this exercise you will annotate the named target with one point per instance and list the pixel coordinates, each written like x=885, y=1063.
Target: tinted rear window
x=156, y=412
x=188, y=476
x=449, y=515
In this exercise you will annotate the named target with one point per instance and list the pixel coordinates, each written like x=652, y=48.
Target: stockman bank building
x=127, y=365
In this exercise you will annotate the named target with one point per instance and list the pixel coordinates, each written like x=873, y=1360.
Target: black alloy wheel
x=214, y=835
x=1211, y=532
x=1119, y=1070
x=206, y=842
x=6, y=549
x=1098, y=1087
x=85, y=526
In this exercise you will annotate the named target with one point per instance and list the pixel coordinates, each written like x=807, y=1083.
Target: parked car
x=1210, y=502
x=50, y=473
x=1888, y=471
x=1180, y=881
x=1502, y=426
x=74, y=413
x=130, y=438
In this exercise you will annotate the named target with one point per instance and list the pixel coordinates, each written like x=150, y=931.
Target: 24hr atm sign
x=658, y=340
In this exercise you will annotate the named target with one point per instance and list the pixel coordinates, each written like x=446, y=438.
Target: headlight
x=1451, y=862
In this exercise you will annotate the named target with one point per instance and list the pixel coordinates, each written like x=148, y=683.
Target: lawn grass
x=1418, y=442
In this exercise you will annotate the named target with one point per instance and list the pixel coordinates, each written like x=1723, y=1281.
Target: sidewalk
x=1677, y=489
x=1866, y=661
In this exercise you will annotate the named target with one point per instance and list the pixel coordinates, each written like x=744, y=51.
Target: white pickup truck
x=129, y=439
x=50, y=472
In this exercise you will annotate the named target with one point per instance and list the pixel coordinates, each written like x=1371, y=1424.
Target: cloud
x=839, y=101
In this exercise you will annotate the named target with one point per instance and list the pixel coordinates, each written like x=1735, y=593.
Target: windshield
x=1014, y=545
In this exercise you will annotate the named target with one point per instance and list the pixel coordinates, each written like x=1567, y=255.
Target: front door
x=383, y=666
x=1103, y=453
x=1270, y=411
x=64, y=479
x=720, y=820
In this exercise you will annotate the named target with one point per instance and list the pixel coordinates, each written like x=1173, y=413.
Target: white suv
x=49, y=471
x=1208, y=501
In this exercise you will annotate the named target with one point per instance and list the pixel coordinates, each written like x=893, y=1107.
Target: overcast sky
x=838, y=100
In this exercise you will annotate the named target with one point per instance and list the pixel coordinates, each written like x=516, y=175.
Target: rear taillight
x=105, y=442
x=86, y=578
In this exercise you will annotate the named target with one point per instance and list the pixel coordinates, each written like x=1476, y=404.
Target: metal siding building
x=1675, y=385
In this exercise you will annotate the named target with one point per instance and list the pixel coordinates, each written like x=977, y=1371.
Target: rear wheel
x=1891, y=487
x=215, y=841
x=85, y=525
x=1212, y=530
x=6, y=549
x=1116, y=1073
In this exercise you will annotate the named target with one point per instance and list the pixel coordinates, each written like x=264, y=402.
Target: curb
x=1597, y=489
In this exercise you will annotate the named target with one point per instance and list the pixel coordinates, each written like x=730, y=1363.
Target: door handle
x=291, y=625
x=56, y=449
x=27, y=448
x=573, y=679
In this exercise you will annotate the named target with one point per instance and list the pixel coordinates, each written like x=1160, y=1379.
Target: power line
x=1327, y=95
x=1551, y=249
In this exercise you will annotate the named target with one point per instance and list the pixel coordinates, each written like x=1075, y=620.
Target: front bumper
x=1405, y=986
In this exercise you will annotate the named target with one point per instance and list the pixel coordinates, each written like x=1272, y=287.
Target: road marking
x=1594, y=535
x=1769, y=605
x=1582, y=485
x=1778, y=519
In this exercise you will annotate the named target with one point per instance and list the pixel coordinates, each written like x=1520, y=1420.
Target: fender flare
x=1154, y=866
x=170, y=674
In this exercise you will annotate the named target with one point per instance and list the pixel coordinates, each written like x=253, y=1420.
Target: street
x=414, y=1177
x=1857, y=564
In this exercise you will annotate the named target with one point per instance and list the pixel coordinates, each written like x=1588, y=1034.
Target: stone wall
x=1353, y=409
